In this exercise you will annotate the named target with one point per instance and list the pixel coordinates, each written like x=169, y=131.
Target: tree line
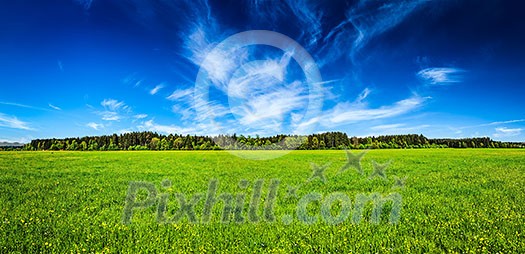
x=329, y=140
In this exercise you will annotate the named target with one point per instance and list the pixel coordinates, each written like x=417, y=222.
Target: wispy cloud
x=23, y=105
x=506, y=122
x=309, y=17
x=95, y=126
x=383, y=17
x=166, y=129
x=387, y=126
x=365, y=21
x=13, y=122
x=396, y=129
x=86, y=4
x=184, y=112
x=219, y=63
x=490, y=124
x=132, y=80
x=180, y=93
x=60, y=66
x=112, y=104
x=258, y=91
x=272, y=105
x=305, y=15
x=346, y=112
x=260, y=94
x=441, y=76
x=196, y=110
x=113, y=110
x=140, y=116
x=156, y=89
x=54, y=107
x=109, y=115
x=209, y=110
x=257, y=76
x=507, y=132
x=500, y=132
x=362, y=96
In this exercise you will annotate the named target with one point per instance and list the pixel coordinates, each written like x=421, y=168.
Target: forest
x=329, y=140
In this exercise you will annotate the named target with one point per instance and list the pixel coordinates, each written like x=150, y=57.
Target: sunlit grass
x=460, y=200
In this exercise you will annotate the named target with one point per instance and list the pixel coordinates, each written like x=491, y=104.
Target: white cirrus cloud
x=95, y=126
x=272, y=105
x=396, y=129
x=60, y=66
x=180, y=93
x=387, y=126
x=150, y=125
x=114, y=110
x=140, y=116
x=256, y=77
x=185, y=112
x=113, y=104
x=508, y=121
x=371, y=18
x=54, y=107
x=346, y=112
x=441, y=75
x=209, y=110
x=23, y=105
x=218, y=64
x=365, y=21
x=507, y=132
x=13, y=122
x=109, y=115
x=362, y=96
x=490, y=124
x=306, y=15
x=86, y=4
x=156, y=89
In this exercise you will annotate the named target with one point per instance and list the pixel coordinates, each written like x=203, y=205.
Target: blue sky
x=439, y=68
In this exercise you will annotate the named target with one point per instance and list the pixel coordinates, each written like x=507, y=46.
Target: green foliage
x=329, y=140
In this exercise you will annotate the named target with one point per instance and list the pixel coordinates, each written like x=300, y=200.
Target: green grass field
x=463, y=200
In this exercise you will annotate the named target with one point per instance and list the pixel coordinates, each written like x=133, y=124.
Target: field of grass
x=463, y=200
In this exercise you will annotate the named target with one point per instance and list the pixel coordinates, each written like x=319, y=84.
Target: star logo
x=379, y=169
x=353, y=161
x=318, y=172
x=399, y=182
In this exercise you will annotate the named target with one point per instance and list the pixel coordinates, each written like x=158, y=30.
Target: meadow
x=453, y=200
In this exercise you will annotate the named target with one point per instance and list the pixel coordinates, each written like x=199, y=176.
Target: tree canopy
x=329, y=140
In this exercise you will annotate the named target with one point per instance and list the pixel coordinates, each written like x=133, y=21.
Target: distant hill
x=8, y=144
